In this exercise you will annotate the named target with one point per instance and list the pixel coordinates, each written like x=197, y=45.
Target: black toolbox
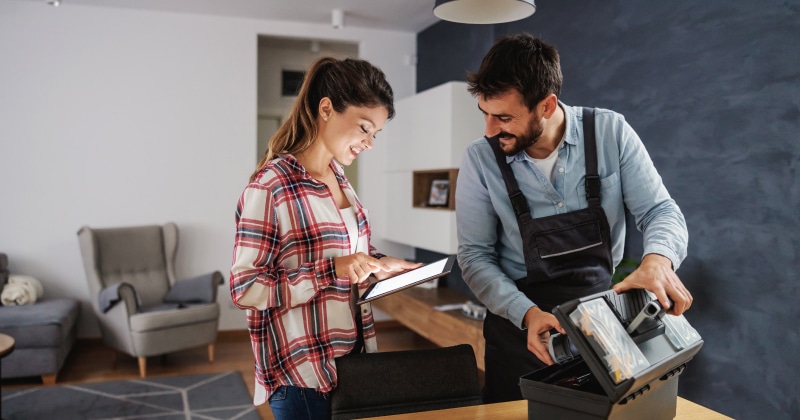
x=630, y=357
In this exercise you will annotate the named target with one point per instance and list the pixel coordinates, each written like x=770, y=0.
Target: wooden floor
x=91, y=361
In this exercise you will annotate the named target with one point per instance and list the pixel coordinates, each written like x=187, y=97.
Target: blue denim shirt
x=489, y=241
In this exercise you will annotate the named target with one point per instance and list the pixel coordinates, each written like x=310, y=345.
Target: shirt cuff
x=326, y=273
x=664, y=251
x=517, y=310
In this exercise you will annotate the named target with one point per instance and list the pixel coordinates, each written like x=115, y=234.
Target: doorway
x=279, y=62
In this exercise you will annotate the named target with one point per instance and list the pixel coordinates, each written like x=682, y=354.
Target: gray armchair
x=141, y=308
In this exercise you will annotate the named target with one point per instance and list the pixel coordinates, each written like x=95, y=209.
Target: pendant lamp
x=483, y=11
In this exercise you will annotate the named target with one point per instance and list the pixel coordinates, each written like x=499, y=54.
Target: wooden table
x=6, y=344
x=518, y=410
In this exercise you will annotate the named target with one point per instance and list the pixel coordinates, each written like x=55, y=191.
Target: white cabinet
x=432, y=128
x=428, y=134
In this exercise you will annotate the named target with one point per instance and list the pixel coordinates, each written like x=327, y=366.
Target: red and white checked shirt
x=288, y=230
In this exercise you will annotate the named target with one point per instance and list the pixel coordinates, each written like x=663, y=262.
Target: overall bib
x=567, y=256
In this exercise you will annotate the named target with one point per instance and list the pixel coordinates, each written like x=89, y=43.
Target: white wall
x=113, y=117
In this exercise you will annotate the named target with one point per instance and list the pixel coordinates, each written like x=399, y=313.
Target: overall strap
x=518, y=202
x=592, y=180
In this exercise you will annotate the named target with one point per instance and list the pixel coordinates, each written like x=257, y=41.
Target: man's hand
x=396, y=266
x=539, y=324
x=656, y=275
x=357, y=267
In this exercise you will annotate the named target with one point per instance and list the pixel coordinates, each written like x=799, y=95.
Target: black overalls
x=567, y=256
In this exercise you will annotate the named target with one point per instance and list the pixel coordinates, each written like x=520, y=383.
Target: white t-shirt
x=548, y=164
x=350, y=221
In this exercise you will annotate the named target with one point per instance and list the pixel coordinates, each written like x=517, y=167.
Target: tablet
x=408, y=279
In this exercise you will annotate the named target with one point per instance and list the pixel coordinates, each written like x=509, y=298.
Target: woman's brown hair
x=348, y=82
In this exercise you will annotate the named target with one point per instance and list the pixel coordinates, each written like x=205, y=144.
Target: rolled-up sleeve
x=477, y=231
x=257, y=280
x=656, y=214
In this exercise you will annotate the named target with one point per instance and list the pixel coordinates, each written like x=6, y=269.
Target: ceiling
x=399, y=15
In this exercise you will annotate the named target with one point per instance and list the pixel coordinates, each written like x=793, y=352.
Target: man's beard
x=525, y=140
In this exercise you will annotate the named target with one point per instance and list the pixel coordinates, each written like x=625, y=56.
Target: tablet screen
x=410, y=278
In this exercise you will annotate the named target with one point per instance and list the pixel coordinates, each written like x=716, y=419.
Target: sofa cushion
x=44, y=324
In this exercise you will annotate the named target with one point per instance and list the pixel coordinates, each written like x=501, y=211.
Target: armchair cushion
x=200, y=289
x=173, y=317
x=162, y=307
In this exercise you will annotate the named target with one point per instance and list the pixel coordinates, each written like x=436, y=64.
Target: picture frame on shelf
x=440, y=193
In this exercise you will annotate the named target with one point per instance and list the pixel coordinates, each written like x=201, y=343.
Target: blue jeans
x=293, y=403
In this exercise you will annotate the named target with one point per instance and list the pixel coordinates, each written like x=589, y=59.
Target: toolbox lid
x=623, y=362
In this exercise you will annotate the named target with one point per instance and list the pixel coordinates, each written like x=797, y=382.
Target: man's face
x=507, y=116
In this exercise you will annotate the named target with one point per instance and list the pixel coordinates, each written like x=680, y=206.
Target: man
x=564, y=233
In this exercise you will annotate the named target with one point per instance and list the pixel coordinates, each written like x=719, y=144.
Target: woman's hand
x=357, y=267
x=394, y=266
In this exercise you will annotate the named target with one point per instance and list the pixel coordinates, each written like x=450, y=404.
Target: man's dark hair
x=520, y=62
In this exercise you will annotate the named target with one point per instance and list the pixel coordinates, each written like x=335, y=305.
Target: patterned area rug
x=207, y=397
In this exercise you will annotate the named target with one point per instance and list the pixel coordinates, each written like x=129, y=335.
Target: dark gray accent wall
x=713, y=89
x=446, y=50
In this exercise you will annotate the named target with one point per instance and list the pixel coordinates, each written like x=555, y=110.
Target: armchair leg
x=49, y=379
x=211, y=353
x=142, y=366
x=114, y=357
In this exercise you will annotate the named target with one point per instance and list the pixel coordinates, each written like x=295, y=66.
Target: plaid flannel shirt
x=288, y=230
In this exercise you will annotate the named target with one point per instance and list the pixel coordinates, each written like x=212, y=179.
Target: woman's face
x=351, y=132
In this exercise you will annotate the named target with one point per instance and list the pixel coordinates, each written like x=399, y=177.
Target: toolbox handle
x=633, y=396
x=674, y=372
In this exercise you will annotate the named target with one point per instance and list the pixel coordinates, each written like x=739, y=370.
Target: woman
x=302, y=240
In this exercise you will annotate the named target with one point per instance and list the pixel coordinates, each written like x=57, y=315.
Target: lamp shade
x=483, y=11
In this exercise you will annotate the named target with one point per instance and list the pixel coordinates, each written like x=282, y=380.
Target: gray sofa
x=44, y=333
